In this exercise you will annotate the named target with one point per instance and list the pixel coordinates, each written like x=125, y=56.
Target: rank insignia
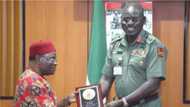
x=160, y=52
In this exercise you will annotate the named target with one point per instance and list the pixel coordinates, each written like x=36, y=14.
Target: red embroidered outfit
x=33, y=90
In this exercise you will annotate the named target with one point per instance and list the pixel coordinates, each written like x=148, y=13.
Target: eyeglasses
x=48, y=59
x=133, y=19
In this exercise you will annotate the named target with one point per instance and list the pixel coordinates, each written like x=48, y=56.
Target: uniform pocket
x=117, y=59
x=136, y=61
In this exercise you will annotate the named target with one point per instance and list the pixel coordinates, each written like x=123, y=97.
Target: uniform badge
x=117, y=70
x=160, y=52
x=139, y=52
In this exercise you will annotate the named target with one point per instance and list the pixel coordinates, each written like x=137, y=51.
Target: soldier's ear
x=144, y=19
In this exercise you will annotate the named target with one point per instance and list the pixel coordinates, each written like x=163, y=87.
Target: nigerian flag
x=97, y=51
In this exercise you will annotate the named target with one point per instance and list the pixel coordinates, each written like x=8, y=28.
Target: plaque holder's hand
x=116, y=103
x=66, y=101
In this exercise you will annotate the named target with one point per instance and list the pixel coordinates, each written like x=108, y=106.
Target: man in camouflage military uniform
x=135, y=62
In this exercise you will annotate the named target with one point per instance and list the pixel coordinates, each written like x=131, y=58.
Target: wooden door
x=168, y=25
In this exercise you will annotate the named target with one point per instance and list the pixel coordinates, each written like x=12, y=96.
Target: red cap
x=40, y=48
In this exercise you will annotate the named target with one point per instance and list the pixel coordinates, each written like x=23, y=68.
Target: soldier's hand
x=116, y=103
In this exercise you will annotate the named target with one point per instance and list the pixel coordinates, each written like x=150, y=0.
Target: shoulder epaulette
x=150, y=39
x=115, y=42
x=116, y=39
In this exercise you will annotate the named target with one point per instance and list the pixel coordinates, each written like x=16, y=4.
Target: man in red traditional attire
x=33, y=90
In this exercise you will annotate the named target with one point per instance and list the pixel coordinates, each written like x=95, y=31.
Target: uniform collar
x=140, y=39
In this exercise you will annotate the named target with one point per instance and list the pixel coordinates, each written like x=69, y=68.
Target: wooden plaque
x=89, y=96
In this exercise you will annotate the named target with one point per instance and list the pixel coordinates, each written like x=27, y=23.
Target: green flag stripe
x=98, y=43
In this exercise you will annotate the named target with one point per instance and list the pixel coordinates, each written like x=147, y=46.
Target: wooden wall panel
x=6, y=103
x=188, y=60
x=10, y=49
x=10, y=35
x=65, y=23
x=168, y=25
